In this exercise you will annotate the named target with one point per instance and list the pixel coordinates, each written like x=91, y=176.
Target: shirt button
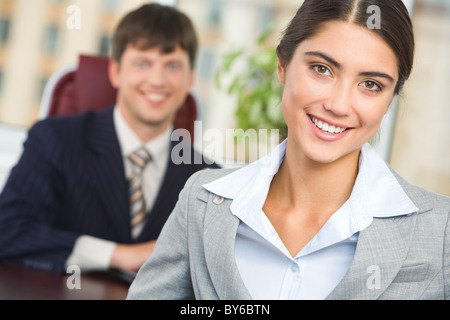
x=295, y=267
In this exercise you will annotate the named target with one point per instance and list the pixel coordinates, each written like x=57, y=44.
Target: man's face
x=152, y=86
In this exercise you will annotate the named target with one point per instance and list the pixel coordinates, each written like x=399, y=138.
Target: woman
x=322, y=216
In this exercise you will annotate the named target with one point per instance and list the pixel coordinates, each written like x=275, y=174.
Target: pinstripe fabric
x=70, y=181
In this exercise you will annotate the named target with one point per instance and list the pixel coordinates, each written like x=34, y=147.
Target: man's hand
x=130, y=257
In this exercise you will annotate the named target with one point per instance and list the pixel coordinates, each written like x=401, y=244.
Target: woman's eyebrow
x=325, y=57
x=377, y=74
x=339, y=66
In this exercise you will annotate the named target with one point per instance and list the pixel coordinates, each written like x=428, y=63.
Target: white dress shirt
x=267, y=268
x=91, y=253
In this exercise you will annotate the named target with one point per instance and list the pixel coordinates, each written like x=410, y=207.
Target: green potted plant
x=257, y=89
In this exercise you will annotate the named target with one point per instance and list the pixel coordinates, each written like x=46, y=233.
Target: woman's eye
x=322, y=70
x=370, y=85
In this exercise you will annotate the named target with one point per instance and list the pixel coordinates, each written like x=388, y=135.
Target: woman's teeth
x=327, y=128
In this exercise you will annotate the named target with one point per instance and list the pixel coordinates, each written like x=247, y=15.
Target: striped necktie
x=138, y=210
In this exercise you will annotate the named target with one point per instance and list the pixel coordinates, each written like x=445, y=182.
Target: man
x=67, y=202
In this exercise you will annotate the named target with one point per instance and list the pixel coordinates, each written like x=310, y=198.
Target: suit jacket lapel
x=219, y=236
x=164, y=198
x=106, y=169
x=380, y=251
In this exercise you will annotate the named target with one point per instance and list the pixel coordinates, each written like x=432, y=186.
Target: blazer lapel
x=106, y=169
x=380, y=251
x=220, y=228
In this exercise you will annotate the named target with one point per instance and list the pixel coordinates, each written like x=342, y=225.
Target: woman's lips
x=327, y=130
x=326, y=126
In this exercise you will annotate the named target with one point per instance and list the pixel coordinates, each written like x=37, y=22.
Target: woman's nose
x=339, y=99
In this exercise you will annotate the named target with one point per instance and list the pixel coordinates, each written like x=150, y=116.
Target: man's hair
x=155, y=26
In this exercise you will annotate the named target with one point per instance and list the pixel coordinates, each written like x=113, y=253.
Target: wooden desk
x=18, y=283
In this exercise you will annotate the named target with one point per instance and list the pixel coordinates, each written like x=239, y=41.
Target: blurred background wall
x=39, y=37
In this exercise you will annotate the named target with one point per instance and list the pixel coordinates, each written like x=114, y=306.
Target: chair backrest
x=87, y=87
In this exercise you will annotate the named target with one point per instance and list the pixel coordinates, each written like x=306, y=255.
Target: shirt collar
x=129, y=142
x=376, y=192
x=378, y=188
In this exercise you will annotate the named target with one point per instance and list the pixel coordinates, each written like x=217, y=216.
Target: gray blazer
x=405, y=257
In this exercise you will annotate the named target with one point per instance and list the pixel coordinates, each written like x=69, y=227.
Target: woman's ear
x=281, y=69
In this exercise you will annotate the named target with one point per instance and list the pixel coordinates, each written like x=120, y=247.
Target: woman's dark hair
x=395, y=27
x=155, y=26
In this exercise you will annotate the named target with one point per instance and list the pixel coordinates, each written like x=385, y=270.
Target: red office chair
x=87, y=87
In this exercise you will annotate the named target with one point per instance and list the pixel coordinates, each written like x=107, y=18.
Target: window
x=266, y=18
x=104, y=45
x=51, y=40
x=205, y=63
x=42, y=82
x=215, y=9
x=420, y=149
x=1, y=81
x=5, y=25
x=110, y=5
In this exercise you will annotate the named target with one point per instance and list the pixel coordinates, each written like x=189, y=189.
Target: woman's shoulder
x=208, y=175
x=423, y=198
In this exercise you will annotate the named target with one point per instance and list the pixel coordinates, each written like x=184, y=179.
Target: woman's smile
x=327, y=130
x=333, y=100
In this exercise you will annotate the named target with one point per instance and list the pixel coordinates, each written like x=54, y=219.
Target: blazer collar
x=381, y=249
x=377, y=192
x=219, y=237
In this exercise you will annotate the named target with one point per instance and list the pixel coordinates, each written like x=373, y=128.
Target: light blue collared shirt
x=266, y=266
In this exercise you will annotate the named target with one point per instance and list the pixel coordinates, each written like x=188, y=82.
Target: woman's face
x=338, y=86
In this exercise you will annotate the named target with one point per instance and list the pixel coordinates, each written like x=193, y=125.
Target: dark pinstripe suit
x=70, y=181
